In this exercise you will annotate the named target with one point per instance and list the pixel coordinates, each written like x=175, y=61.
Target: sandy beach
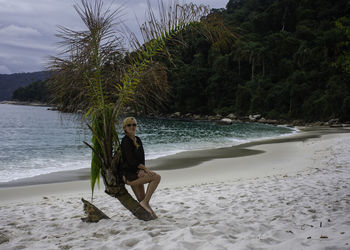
x=284, y=193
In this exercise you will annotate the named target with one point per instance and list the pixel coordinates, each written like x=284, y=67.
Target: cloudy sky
x=28, y=28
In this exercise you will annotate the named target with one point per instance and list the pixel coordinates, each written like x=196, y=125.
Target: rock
x=271, y=121
x=232, y=116
x=188, y=115
x=3, y=238
x=333, y=121
x=218, y=117
x=336, y=125
x=196, y=117
x=211, y=117
x=225, y=121
x=254, y=118
x=175, y=115
x=298, y=123
x=317, y=124
x=262, y=120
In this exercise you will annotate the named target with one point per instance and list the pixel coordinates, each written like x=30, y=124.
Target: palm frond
x=173, y=18
x=83, y=55
x=85, y=61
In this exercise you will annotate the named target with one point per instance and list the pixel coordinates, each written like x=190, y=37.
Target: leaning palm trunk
x=84, y=69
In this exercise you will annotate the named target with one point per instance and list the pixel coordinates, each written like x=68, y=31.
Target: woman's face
x=130, y=127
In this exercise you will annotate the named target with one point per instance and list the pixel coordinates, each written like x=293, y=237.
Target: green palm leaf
x=83, y=69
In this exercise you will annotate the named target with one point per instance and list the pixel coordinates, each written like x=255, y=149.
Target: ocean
x=35, y=140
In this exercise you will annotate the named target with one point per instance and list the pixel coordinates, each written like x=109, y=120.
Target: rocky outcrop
x=262, y=120
x=224, y=121
x=231, y=116
x=175, y=115
x=197, y=117
x=254, y=118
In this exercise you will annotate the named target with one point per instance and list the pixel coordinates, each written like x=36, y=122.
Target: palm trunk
x=121, y=193
x=132, y=205
x=94, y=214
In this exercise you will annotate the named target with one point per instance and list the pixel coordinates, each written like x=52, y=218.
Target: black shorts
x=131, y=176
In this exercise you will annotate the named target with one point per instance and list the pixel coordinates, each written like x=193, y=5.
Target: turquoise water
x=34, y=140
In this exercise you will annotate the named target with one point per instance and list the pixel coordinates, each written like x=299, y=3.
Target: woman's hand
x=150, y=172
x=147, y=171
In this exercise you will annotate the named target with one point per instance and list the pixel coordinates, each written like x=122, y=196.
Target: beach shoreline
x=31, y=104
x=179, y=169
x=183, y=159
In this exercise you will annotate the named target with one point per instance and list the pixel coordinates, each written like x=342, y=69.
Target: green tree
x=343, y=60
x=290, y=59
x=35, y=92
x=82, y=69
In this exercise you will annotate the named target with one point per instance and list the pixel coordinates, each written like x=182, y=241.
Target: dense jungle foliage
x=290, y=60
x=37, y=91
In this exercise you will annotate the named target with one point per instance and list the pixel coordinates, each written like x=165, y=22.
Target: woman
x=135, y=172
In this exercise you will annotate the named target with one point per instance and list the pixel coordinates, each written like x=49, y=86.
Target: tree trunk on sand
x=129, y=202
x=95, y=215
x=121, y=193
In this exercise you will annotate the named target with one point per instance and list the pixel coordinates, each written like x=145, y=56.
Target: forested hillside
x=285, y=59
x=290, y=60
x=8, y=83
x=37, y=91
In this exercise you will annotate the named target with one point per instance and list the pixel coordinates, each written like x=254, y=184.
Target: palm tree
x=95, y=74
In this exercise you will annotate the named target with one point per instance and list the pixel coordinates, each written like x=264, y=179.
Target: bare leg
x=152, y=187
x=139, y=191
x=150, y=190
x=153, y=180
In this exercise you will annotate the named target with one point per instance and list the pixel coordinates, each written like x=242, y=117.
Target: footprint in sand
x=154, y=233
x=130, y=242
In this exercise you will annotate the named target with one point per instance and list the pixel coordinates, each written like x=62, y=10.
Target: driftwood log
x=93, y=214
x=3, y=238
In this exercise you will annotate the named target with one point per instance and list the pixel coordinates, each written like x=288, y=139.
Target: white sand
x=274, y=200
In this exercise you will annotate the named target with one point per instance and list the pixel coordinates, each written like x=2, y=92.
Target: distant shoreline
x=37, y=104
x=220, y=119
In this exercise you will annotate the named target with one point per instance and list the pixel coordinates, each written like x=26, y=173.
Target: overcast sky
x=28, y=28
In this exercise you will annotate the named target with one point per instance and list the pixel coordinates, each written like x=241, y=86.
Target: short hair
x=127, y=120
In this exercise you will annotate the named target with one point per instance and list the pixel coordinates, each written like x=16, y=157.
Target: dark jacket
x=132, y=157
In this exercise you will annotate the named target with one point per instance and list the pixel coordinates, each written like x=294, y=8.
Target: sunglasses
x=129, y=125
